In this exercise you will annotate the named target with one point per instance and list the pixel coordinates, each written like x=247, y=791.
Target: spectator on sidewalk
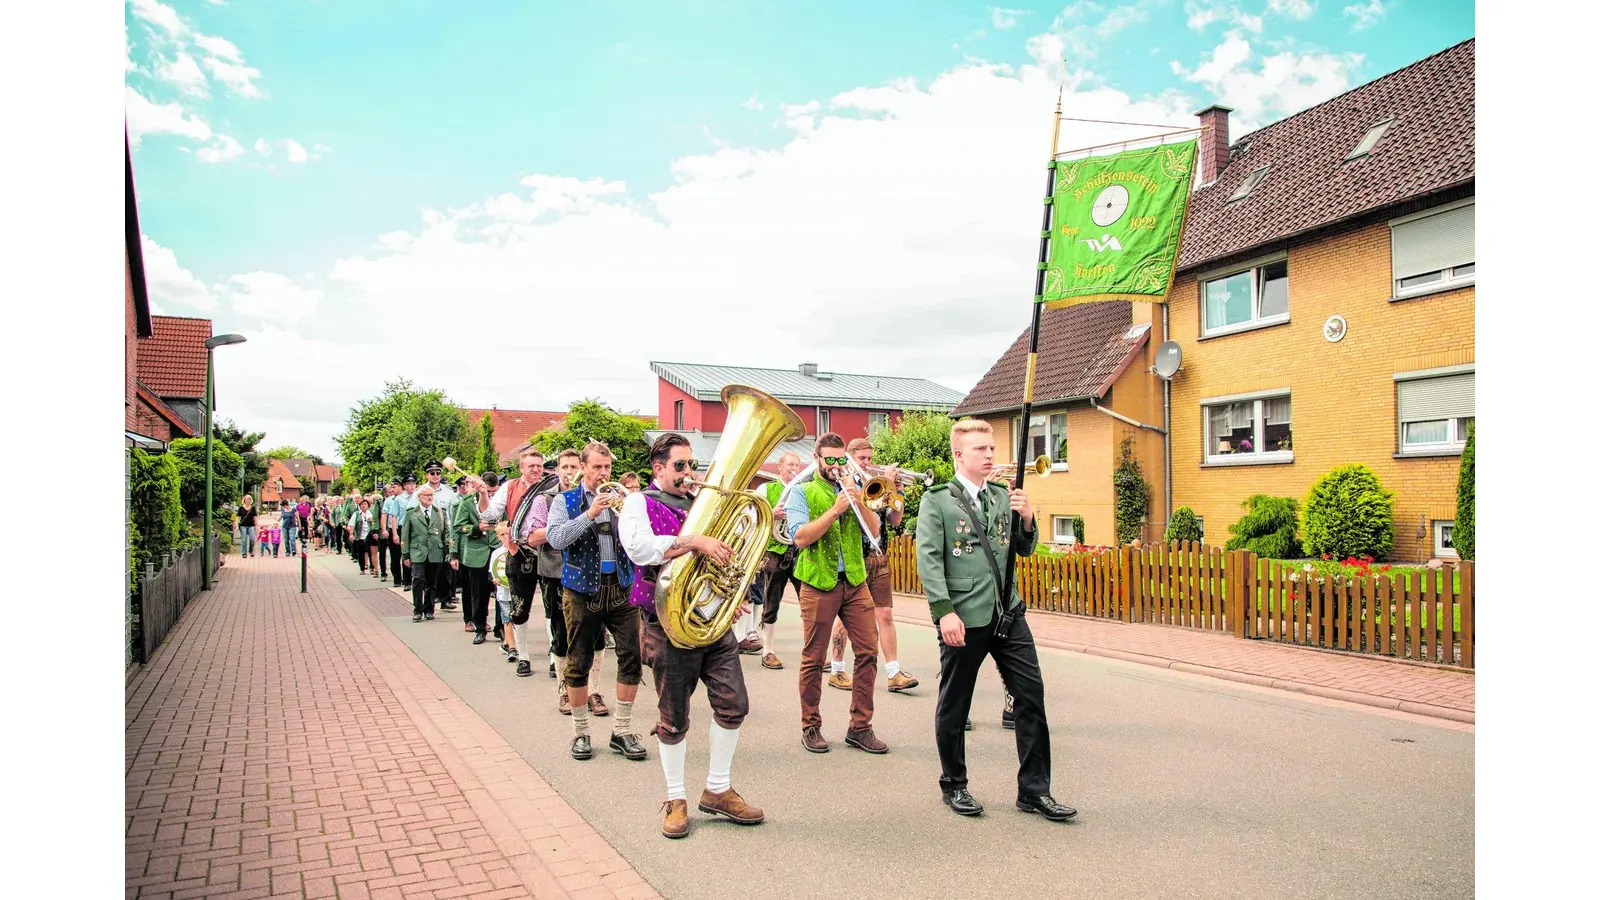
x=247, y=527
x=289, y=522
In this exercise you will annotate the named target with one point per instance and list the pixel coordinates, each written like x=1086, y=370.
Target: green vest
x=818, y=564
x=774, y=488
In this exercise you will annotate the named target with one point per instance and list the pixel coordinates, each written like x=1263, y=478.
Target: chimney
x=1213, y=142
x=808, y=369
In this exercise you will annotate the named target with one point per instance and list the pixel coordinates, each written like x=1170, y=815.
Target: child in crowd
x=502, y=590
x=264, y=533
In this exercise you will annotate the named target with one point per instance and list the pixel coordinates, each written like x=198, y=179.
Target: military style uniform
x=471, y=549
x=425, y=540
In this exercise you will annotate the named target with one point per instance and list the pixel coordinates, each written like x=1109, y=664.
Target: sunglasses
x=685, y=465
x=836, y=460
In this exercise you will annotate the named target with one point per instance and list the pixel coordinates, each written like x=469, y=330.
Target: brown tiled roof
x=1081, y=351
x=1428, y=148
x=303, y=469
x=276, y=469
x=513, y=427
x=172, y=361
x=326, y=473
x=173, y=417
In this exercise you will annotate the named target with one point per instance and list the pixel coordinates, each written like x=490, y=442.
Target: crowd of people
x=563, y=535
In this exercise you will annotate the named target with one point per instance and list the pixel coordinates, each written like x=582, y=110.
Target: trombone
x=1005, y=473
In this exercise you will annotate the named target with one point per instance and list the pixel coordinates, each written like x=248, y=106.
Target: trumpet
x=904, y=478
x=1005, y=473
x=568, y=482
x=611, y=493
x=880, y=492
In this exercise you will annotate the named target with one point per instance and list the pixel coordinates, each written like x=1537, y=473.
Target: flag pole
x=1033, y=343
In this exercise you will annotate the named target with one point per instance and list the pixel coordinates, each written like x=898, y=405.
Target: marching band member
x=510, y=503
x=595, y=579
x=564, y=470
x=825, y=516
x=777, y=567
x=963, y=527
x=650, y=534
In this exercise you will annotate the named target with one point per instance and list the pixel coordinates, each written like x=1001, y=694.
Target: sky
x=524, y=204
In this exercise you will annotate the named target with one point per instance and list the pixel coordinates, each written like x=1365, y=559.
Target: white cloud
x=1081, y=30
x=184, y=74
x=271, y=297
x=173, y=289
x=226, y=149
x=319, y=149
x=1203, y=13
x=294, y=152
x=146, y=117
x=239, y=78
x=262, y=147
x=1283, y=83
x=753, y=103
x=222, y=48
x=1292, y=9
x=1367, y=14
x=160, y=15
x=1005, y=18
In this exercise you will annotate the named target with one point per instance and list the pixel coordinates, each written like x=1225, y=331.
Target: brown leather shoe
x=771, y=661
x=675, y=818
x=865, y=740
x=750, y=646
x=840, y=680
x=811, y=739
x=597, y=705
x=730, y=804
x=902, y=682
x=564, y=705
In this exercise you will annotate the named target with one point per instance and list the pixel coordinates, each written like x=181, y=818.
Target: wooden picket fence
x=1424, y=616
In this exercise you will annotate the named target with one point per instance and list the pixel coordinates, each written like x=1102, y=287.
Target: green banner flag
x=1116, y=224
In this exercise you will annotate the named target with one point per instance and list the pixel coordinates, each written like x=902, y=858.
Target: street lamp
x=212, y=343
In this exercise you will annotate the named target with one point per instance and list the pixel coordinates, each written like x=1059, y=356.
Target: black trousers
x=1018, y=662
x=422, y=587
x=478, y=594
x=358, y=549
x=439, y=582
x=382, y=543
x=402, y=572
x=550, y=592
x=337, y=533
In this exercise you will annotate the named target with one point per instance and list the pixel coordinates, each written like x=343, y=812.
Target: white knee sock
x=769, y=637
x=719, y=776
x=624, y=718
x=672, y=756
x=891, y=668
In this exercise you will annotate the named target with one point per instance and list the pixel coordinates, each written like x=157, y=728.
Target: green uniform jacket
x=950, y=559
x=469, y=545
x=425, y=536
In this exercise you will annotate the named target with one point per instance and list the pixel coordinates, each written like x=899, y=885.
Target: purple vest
x=664, y=520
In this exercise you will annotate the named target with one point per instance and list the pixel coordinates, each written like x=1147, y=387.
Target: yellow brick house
x=1324, y=306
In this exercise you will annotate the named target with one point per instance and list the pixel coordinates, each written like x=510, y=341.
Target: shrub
x=1267, y=528
x=1077, y=528
x=1133, y=495
x=1185, y=526
x=1464, y=537
x=1348, y=513
x=156, y=511
x=189, y=454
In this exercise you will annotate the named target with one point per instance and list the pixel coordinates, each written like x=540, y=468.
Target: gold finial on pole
x=1061, y=88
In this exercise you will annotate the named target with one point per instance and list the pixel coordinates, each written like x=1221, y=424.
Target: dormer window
x=1249, y=184
x=1370, y=139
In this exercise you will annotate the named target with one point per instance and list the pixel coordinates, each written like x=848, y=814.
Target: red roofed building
x=513, y=427
x=171, y=367
x=281, y=485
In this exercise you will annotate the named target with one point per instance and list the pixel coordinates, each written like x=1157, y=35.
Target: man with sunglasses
x=825, y=517
x=595, y=579
x=651, y=533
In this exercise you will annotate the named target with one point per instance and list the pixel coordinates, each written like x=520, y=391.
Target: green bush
x=1077, y=528
x=156, y=512
x=1348, y=513
x=1185, y=526
x=1466, y=515
x=190, y=456
x=1133, y=495
x=1268, y=528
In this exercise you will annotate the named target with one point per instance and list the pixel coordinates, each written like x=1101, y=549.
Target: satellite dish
x=1169, y=356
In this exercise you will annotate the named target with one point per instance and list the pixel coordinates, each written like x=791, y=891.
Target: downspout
x=1166, y=425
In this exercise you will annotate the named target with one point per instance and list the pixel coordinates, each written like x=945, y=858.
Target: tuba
x=696, y=599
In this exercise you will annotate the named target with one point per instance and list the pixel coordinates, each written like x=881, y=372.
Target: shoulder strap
x=965, y=502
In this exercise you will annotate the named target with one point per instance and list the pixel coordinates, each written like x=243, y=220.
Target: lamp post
x=212, y=343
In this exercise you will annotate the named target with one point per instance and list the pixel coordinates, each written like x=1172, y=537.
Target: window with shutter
x=1434, y=252
x=1435, y=413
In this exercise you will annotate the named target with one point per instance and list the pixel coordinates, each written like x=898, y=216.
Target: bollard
x=302, y=569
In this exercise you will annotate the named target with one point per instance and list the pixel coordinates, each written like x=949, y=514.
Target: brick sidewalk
x=289, y=745
x=1388, y=684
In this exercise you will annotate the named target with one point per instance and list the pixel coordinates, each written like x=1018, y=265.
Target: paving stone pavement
x=1390, y=684
x=288, y=745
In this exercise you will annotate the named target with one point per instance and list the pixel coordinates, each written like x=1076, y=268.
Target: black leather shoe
x=1046, y=806
x=524, y=669
x=962, y=802
x=417, y=617
x=581, y=748
x=478, y=638
x=968, y=725
x=628, y=745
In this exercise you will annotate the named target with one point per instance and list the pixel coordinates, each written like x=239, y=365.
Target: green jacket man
x=425, y=535
x=470, y=545
x=950, y=557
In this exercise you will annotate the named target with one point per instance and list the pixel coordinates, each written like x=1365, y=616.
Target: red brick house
x=171, y=368
x=281, y=485
x=313, y=477
x=513, y=428
x=148, y=421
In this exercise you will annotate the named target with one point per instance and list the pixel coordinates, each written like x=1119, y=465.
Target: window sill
x=1232, y=330
x=1429, y=454
x=1433, y=289
x=1058, y=467
x=1249, y=459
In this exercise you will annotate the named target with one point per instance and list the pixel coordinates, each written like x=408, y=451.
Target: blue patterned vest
x=580, y=562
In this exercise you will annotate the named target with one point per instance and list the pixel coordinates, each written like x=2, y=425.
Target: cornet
x=611, y=493
x=1005, y=473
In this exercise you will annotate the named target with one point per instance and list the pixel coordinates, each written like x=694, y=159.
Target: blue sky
x=401, y=107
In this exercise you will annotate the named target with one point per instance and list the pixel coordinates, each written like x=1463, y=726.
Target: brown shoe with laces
x=811, y=739
x=730, y=804
x=675, y=818
x=840, y=680
x=564, y=704
x=771, y=661
x=865, y=740
x=902, y=682
x=597, y=705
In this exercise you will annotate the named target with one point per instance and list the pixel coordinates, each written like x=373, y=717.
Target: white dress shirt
x=643, y=545
x=973, y=490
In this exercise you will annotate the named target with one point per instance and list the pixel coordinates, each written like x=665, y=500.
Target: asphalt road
x=1185, y=786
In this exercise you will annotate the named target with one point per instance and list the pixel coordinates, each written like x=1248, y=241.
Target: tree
x=919, y=442
x=289, y=451
x=425, y=428
x=1268, y=528
x=190, y=456
x=1185, y=526
x=1465, y=535
x=1133, y=495
x=1348, y=513
x=591, y=420
x=488, y=460
x=362, y=442
x=244, y=444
